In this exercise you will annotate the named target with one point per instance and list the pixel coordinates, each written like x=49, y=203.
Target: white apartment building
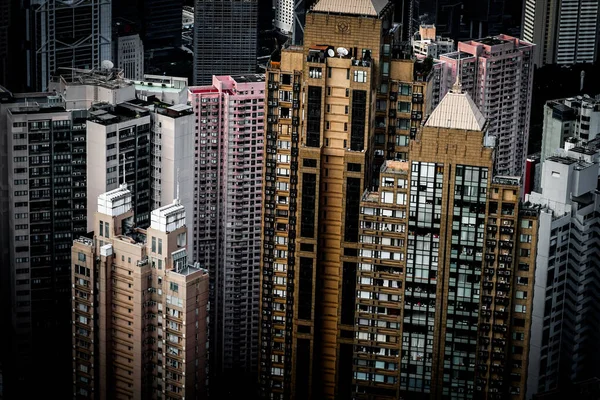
x=565, y=339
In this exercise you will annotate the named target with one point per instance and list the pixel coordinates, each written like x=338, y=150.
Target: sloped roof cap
x=457, y=111
x=352, y=7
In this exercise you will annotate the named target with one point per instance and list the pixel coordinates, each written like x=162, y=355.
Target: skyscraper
x=128, y=49
x=320, y=144
x=139, y=306
x=498, y=73
x=230, y=120
x=65, y=34
x=564, y=331
x=446, y=259
x=46, y=206
x=225, y=38
x=565, y=31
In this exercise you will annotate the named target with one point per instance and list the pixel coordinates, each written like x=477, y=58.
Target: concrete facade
x=139, y=306
x=564, y=335
x=230, y=121
x=498, y=74
x=565, y=31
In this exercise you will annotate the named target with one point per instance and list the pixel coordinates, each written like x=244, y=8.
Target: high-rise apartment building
x=230, y=120
x=565, y=31
x=118, y=145
x=564, y=330
x=139, y=306
x=446, y=259
x=46, y=176
x=498, y=74
x=225, y=38
x=337, y=107
x=320, y=142
x=65, y=34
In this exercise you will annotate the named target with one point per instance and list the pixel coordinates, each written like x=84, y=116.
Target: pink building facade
x=498, y=74
x=228, y=200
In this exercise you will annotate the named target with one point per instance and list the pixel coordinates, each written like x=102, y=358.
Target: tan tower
x=337, y=107
x=443, y=270
x=139, y=307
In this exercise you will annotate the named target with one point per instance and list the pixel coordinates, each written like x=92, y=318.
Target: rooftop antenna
x=177, y=197
x=124, y=184
x=457, y=87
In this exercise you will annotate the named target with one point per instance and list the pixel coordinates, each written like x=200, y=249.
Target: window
x=354, y=167
x=101, y=230
x=403, y=106
x=520, y=294
x=106, y=229
x=520, y=308
x=153, y=244
x=403, y=123
x=360, y=76
x=81, y=257
x=526, y=238
x=159, y=246
x=404, y=90
x=526, y=224
x=174, y=287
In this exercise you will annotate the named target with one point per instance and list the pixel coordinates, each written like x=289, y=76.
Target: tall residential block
x=230, y=121
x=564, y=331
x=565, y=31
x=46, y=177
x=118, y=139
x=225, y=38
x=498, y=74
x=446, y=259
x=65, y=34
x=139, y=306
x=320, y=142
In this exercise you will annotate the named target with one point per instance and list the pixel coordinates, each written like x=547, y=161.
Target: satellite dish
x=330, y=53
x=342, y=51
x=107, y=64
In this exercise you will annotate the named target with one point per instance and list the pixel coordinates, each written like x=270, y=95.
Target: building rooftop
x=107, y=78
x=120, y=113
x=455, y=55
x=562, y=160
x=457, y=111
x=190, y=269
x=115, y=202
x=168, y=218
x=248, y=78
x=492, y=41
x=371, y=8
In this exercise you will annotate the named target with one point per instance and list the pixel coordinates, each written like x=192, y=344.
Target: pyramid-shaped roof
x=352, y=7
x=457, y=111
